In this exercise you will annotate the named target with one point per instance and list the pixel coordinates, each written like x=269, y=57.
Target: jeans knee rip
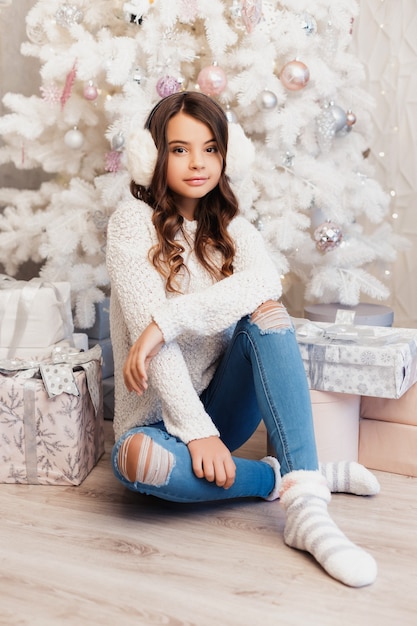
x=154, y=463
x=272, y=317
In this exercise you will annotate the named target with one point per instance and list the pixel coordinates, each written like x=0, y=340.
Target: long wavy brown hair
x=214, y=211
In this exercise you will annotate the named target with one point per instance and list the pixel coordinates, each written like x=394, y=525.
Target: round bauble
x=339, y=116
x=212, y=80
x=328, y=236
x=74, y=139
x=350, y=118
x=267, y=100
x=90, y=91
x=167, y=85
x=294, y=75
x=69, y=14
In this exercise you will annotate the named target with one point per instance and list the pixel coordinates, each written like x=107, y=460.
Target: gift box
x=101, y=326
x=401, y=410
x=107, y=365
x=51, y=418
x=108, y=398
x=336, y=426
x=359, y=360
x=388, y=433
x=77, y=340
x=388, y=446
x=33, y=314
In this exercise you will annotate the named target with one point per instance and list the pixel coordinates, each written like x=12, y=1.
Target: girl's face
x=194, y=162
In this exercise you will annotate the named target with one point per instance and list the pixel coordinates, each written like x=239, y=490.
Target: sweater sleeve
x=139, y=289
x=255, y=280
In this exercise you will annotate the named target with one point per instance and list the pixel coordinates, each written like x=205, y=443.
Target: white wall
x=386, y=42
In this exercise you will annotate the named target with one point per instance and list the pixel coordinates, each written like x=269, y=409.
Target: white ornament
x=267, y=100
x=74, y=139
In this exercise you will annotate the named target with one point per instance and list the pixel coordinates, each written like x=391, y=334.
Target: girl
x=203, y=348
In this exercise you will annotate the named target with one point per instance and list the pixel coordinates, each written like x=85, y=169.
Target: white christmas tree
x=283, y=71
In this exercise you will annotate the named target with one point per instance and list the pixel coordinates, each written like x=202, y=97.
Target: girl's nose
x=196, y=161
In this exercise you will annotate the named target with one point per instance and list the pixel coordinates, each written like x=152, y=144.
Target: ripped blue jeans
x=260, y=377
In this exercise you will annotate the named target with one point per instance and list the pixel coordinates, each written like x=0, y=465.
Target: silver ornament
x=339, y=117
x=267, y=100
x=69, y=14
x=117, y=141
x=328, y=237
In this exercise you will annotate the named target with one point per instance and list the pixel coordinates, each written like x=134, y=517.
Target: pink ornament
x=69, y=84
x=166, y=86
x=350, y=118
x=90, y=91
x=251, y=13
x=212, y=80
x=328, y=236
x=294, y=75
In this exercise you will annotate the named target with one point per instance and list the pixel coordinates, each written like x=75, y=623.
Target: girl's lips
x=195, y=182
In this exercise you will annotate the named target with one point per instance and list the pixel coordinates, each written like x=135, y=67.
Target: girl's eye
x=179, y=150
x=212, y=149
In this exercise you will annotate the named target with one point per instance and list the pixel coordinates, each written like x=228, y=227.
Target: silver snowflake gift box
x=362, y=360
x=51, y=418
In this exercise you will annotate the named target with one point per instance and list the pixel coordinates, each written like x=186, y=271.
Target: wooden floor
x=98, y=554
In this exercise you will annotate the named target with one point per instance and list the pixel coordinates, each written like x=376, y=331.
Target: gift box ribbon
x=27, y=294
x=57, y=372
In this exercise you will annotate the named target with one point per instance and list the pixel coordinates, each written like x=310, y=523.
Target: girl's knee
x=270, y=316
x=142, y=460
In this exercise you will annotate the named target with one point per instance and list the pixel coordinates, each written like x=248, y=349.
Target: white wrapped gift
x=33, y=314
x=364, y=360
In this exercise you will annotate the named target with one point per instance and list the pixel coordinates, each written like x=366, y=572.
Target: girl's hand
x=212, y=460
x=140, y=354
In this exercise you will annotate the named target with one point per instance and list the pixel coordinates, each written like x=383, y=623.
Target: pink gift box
x=388, y=446
x=51, y=440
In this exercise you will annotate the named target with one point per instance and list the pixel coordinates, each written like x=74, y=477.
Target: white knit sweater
x=196, y=326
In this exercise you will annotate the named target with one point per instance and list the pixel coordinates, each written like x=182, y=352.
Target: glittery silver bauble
x=69, y=14
x=339, y=116
x=74, y=139
x=328, y=236
x=117, y=142
x=294, y=75
x=267, y=100
x=308, y=24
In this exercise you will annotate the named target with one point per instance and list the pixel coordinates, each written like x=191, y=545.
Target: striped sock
x=304, y=496
x=349, y=477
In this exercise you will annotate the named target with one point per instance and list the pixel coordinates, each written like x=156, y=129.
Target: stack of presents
x=362, y=375
x=57, y=386
x=51, y=393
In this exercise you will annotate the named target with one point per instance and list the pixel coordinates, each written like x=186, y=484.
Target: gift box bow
x=317, y=333
x=57, y=372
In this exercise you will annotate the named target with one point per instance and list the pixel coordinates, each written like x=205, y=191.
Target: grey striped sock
x=349, y=477
x=304, y=496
